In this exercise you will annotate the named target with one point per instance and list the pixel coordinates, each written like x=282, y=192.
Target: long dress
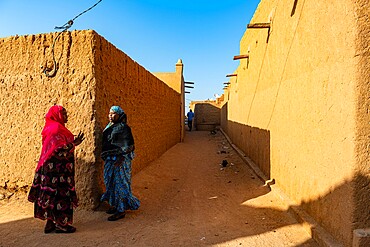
x=53, y=188
x=117, y=143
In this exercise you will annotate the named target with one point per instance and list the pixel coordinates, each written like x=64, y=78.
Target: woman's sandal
x=65, y=229
x=49, y=227
x=117, y=216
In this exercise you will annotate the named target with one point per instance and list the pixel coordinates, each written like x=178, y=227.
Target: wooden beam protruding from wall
x=259, y=25
x=262, y=25
x=241, y=56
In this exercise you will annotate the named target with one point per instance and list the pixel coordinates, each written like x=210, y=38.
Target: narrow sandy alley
x=188, y=199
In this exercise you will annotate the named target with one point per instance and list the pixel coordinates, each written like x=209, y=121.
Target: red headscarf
x=54, y=135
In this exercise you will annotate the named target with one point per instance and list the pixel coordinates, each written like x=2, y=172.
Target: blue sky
x=205, y=34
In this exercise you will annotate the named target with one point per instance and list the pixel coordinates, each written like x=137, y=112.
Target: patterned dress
x=117, y=181
x=118, y=144
x=53, y=188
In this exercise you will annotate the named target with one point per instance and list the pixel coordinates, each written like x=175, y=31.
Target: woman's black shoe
x=65, y=229
x=117, y=216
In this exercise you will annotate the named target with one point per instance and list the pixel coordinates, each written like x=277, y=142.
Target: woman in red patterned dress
x=53, y=189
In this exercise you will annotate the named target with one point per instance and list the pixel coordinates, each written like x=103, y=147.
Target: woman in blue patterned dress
x=117, y=153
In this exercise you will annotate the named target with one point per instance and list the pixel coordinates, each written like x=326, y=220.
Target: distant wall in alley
x=92, y=76
x=299, y=106
x=207, y=114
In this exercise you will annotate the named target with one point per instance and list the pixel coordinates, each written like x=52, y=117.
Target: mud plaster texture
x=92, y=76
x=299, y=107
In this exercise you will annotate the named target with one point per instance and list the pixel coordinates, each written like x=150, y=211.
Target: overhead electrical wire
x=52, y=72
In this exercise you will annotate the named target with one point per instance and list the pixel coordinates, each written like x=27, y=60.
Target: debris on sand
x=224, y=163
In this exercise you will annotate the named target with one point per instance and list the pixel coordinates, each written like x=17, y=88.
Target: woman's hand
x=78, y=140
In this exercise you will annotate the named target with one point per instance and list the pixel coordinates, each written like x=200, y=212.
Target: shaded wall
x=92, y=76
x=255, y=143
x=207, y=116
x=361, y=181
x=299, y=104
x=207, y=113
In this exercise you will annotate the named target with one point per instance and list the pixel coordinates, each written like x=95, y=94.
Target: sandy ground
x=186, y=200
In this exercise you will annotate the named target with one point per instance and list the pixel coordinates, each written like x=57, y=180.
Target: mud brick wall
x=92, y=76
x=299, y=107
x=27, y=94
x=207, y=115
x=176, y=81
x=152, y=107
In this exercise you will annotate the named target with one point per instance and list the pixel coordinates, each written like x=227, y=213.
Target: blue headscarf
x=119, y=111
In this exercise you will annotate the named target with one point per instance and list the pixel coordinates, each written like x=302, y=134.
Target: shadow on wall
x=207, y=116
x=253, y=142
x=224, y=116
x=91, y=229
x=359, y=213
x=89, y=188
x=361, y=183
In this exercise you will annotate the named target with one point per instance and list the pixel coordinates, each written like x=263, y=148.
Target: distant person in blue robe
x=190, y=116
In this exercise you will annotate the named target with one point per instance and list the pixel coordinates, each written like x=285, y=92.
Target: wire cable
x=52, y=72
x=70, y=22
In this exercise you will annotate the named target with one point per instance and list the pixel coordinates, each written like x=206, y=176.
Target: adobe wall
x=361, y=181
x=153, y=108
x=92, y=76
x=172, y=79
x=299, y=106
x=175, y=80
x=207, y=114
x=27, y=94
